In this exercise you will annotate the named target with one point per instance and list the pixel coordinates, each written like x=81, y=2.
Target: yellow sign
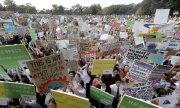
x=65, y=100
x=103, y=66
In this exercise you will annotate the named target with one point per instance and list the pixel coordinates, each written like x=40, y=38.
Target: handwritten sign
x=49, y=72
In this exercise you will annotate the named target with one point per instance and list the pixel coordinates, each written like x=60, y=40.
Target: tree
x=10, y=5
x=95, y=9
x=77, y=9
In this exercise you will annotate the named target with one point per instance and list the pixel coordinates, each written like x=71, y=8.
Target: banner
x=136, y=54
x=66, y=100
x=49, y=72
x=131, y=102
x=16, y=90
x=139, y=71
x=9, y=27
x=101, y=96
x=103, y=66
x=161, y=16
x=10, y=55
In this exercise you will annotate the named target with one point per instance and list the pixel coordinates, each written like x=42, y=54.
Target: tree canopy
x=146, y=7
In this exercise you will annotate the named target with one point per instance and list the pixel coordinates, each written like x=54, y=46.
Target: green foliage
x=146, y=7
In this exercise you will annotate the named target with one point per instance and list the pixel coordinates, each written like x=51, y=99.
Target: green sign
x=4, y=75
x=33, y=34
x=16, y=90
x=101, y=96
x=10, y=55
x=129, y=23
x=131, y=102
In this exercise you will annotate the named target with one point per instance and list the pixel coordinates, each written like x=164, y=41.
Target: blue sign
x=9, y=27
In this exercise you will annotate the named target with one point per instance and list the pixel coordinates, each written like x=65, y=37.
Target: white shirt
x=84, y=76
x=114, y=89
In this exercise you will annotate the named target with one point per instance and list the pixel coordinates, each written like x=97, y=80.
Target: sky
x=47, y=4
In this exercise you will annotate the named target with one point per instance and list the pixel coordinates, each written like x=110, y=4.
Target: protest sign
x=123, y=35
x=170, y=44
x=157, y=72
x=62, y=43
x=161, y=16
x=73, y=48
x=89, y=54
x=67, y=54
x=109, y=49
x=139, y=71
x=142, y=90
x=101, y=96
x=167, y=101
x=103, y=66
x=156, y=58
x=84, y=45
x=72, y=65
x=139, y=40
x=4, y=101
x=152, y=45
x=66, y=100
x=49, y=72
x=4, y=75
x=131, y=102
x=15, y=90
x=175, y=60
x=136, y=54
x=33, y=34
x=10, y=55
x=9, y=27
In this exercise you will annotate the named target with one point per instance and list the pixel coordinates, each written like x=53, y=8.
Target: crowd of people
x=81, y=79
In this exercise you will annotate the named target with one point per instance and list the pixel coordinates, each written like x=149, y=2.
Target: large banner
x=16, y=90
x=136, y=54
x=101, y=96
x=49, y=72
x=131, y=102
x=139, y=71
x=103, y=66
x=66, y=100
x=10, y=55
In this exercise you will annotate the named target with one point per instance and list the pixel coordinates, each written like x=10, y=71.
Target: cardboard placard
x=49, y=72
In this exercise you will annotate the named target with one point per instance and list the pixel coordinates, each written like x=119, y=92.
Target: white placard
x=161, y=16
